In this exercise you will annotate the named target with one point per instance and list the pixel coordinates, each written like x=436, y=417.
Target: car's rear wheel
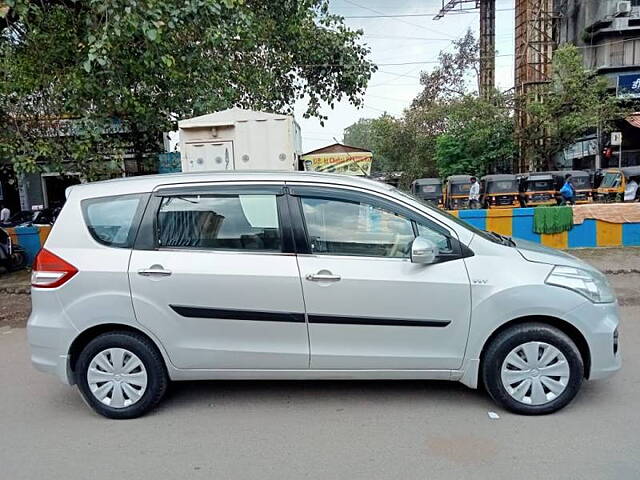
x=121, y=375
x=532, y=369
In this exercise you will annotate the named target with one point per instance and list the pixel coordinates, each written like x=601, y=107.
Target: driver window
x=340, y=227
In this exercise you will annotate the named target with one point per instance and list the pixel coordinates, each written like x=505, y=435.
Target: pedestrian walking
x=567, y=192
x=474, y=194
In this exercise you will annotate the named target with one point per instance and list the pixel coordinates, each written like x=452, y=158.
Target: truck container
x=238, y=139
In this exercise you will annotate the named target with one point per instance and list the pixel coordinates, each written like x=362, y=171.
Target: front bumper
x=599, y=324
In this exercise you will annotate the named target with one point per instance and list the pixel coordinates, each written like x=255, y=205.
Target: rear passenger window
x=227, y=222
x=111, y=220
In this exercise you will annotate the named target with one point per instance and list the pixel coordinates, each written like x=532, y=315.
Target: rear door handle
x=322, y=277
x=154, y=271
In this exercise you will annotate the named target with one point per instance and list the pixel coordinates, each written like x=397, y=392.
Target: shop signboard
x=349, y=163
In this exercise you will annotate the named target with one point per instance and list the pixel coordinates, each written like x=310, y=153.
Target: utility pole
x=487, y=47
x=533, y=61
x=487, y=8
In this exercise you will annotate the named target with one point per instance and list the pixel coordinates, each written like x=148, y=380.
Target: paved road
x=323, y=430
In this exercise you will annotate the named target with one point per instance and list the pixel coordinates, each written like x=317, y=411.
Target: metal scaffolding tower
x=487, y=37
x=534, y=46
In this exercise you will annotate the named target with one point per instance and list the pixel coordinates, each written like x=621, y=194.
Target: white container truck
x=238, y=139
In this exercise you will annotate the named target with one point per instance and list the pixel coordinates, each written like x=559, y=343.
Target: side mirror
x=424, y=251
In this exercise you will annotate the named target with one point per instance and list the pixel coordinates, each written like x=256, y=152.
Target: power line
x=378, y=12
x=465, y=11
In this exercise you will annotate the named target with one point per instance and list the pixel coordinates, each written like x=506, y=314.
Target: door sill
x=310, y=374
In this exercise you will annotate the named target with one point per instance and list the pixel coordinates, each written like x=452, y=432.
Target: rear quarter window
x=113, y=221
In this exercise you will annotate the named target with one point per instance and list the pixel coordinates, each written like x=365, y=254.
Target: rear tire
x=532, y=369
x=121, y=375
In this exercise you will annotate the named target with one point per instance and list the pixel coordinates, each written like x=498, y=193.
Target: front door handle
x=322, y=277
x=154, y=270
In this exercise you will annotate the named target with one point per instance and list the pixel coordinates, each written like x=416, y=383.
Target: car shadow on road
x=223, y=393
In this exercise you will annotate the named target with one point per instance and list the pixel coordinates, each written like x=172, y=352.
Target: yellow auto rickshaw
x=582, y=184
x=538, y=188
x=614, y=185
x=499, y=191
x=456, y=192
x=429, y=190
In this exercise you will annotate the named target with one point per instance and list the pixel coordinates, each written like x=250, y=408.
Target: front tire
x=532, y=369
x=121, y=375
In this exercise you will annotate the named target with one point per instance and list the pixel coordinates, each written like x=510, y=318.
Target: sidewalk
x=611, y=260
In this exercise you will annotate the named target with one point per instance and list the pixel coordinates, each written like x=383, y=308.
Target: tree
x=85, y=81
x=396, y=146
x=455, y=75
x=478, y=138
x=562, y=111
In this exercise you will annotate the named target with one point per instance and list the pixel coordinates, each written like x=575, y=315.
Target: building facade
x=608, y=34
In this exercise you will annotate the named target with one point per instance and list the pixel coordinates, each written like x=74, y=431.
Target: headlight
x=592, y=285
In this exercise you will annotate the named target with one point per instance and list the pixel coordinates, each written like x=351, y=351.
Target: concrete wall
x=518, y=222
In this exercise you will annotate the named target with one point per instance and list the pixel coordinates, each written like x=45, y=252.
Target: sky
x=395, y=40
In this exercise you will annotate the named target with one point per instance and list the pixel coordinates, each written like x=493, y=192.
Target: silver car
x=247, y=275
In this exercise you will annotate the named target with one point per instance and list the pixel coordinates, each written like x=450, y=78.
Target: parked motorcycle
x=12, y=256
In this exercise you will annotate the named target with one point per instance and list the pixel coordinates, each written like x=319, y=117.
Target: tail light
x=50, y=271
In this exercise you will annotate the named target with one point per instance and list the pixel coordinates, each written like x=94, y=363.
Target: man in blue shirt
x=567, y=192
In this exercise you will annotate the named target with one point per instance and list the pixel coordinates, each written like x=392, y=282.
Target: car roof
x=148, y=183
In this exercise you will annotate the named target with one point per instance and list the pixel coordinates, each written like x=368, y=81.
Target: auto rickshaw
x=538, y=188
x=614, y=183
x=499, y=191
x=582, y=183
x=456, y=192
x=429, y=190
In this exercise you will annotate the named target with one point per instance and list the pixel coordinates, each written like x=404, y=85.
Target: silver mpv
x=246, y=275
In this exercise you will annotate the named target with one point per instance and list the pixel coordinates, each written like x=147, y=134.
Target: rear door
x=368, y=305
x=214, y=277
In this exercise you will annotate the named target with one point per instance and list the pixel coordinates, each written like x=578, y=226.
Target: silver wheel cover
x=117, y=377
x=535, y=373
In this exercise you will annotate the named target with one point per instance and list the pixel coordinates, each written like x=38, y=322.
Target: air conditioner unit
x=622, y=8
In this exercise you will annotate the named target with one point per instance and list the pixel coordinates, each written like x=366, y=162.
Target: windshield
x=433, y=189
x=539, y=185
x=581, y=182
x=503, y=186
x=460, y=188
x=610, y=180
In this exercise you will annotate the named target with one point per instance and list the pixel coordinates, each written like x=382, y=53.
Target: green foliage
x=71, y=69
x=396, y=145
x=363, y=135
x=448, y=130
x=478, y=138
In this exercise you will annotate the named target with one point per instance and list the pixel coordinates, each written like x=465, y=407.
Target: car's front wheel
x=532, y=369
x=121, y=375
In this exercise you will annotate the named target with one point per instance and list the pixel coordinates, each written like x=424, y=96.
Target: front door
x=368, y=306
x=218, y=283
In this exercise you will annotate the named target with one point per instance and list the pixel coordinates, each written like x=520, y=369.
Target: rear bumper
x=50, y=335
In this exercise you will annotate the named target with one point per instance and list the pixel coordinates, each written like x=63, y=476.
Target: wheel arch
x=83, y=339
x=565, y=327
